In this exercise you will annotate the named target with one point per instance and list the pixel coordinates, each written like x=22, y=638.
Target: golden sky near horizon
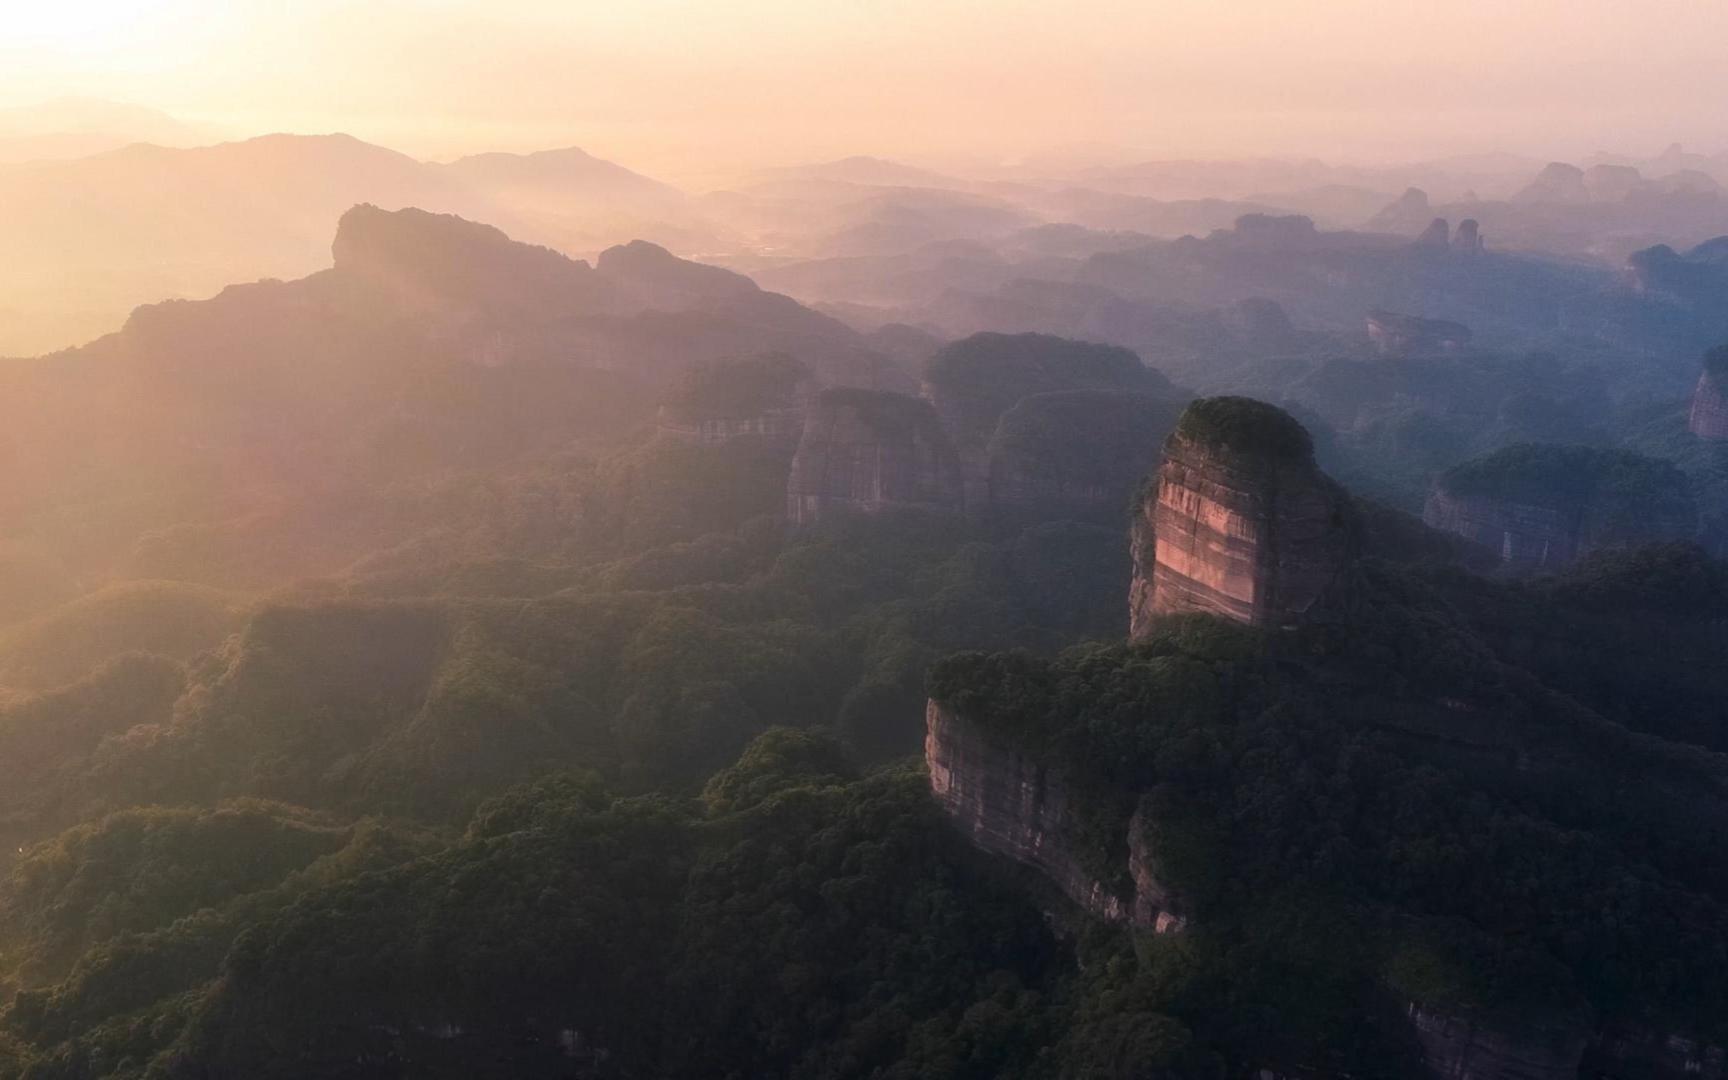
x=663, y=81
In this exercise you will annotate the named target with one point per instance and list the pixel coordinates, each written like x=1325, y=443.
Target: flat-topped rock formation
x=1468, y=239
x=1709, y=415
x=974, y=381
x=1395, y=334
x=1077, y=451
x=863, y=451
x=1239, y=521
x=1009, y=803
x=1542, y=506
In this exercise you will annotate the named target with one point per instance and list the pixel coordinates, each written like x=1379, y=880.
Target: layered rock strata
x=1238, y=521
x=1540, y=507
x=1010, y=804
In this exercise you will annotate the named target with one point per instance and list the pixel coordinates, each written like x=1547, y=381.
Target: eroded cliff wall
x=1238, y=521
x=1011, y=804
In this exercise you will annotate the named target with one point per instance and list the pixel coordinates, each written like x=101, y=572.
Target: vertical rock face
x=1542, y=506
x=1238, y=521
x=1474, y=1048
x=1709, y=419
x=1528, y=538
x=863, y=451
x=1010, y=804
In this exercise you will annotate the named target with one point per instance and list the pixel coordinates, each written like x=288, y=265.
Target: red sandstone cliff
x=1238, y=521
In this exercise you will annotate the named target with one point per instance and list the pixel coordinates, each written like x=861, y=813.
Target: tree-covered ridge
x=1099, y=438
x=736, y=388
x=1564, y=477
x=978, y=378
x=806, y=923
x=1246, y=426
x=1487, y=844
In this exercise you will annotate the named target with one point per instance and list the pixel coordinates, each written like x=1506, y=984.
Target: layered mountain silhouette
x=91, y=238
x=433, y=343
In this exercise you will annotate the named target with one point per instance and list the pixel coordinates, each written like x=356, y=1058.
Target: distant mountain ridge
x=90, y=239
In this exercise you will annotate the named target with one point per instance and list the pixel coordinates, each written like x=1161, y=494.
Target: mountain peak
x=423, y=256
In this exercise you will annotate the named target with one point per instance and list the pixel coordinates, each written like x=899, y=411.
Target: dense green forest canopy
x=385, y=713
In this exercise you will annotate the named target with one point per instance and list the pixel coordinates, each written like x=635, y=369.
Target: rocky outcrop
x=1239, y=521
x=1709, y=415
x=1457, y=1047
x=1468, y=239
x=863, y=451
x=1395, y=334
x=1542, y=506
x=1011, y=804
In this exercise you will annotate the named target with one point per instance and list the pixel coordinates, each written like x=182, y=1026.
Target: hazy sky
x=661, y=82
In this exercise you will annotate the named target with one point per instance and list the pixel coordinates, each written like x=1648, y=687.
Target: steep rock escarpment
x=863, y=451
x=1468, y=239
x=1010, y=804
x=1542, y=506
x=1239, y=521
x=1709, y=417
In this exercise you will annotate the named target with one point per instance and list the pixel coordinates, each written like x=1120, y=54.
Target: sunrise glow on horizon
x=667, y=79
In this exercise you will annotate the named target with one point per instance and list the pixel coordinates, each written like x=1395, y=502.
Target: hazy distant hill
x=432, y=344
x=871, y=171
x=78, y=127
x=89, y=239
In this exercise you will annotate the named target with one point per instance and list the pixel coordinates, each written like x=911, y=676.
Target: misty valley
x=1163, y=620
